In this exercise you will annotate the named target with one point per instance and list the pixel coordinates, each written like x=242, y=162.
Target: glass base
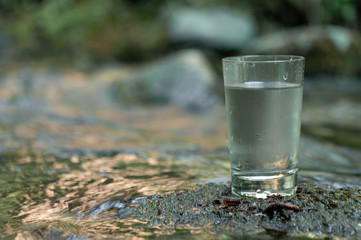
x=263, y=184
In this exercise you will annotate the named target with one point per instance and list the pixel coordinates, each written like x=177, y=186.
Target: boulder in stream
x=184, y=79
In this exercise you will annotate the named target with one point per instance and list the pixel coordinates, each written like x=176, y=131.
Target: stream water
x=71, y=158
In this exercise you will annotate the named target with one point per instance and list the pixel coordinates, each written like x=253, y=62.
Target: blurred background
x=104, y=99
x=166, y=46
x=92, y=32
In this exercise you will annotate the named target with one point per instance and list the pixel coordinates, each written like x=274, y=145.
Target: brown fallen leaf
x=229, y=202
x=279, y=206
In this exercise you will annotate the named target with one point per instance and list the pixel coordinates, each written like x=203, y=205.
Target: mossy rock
x=313, y=212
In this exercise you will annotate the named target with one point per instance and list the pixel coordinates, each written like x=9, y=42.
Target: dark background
x=86, y=33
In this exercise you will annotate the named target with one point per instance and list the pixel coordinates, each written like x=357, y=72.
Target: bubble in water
x=226, y=68
x=285, y=76
x=252, y=64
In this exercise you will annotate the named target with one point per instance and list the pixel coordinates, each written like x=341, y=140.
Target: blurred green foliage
x=137, y=29
x=340, y=11
x=96, y=27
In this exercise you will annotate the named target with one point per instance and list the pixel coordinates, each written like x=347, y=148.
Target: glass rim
x=263, y=59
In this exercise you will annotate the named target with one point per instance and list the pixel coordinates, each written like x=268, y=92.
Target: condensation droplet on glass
x=230, y=112
x=232, y=138
x=285, y=76
x=253, y=64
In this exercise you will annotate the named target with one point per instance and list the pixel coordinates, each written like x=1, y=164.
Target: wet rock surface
x=213, y=208
x=76, y=164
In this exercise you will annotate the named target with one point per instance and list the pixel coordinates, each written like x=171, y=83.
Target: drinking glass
x=264, y=101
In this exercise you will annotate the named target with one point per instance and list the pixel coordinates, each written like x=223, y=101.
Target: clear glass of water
x=264, y=101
